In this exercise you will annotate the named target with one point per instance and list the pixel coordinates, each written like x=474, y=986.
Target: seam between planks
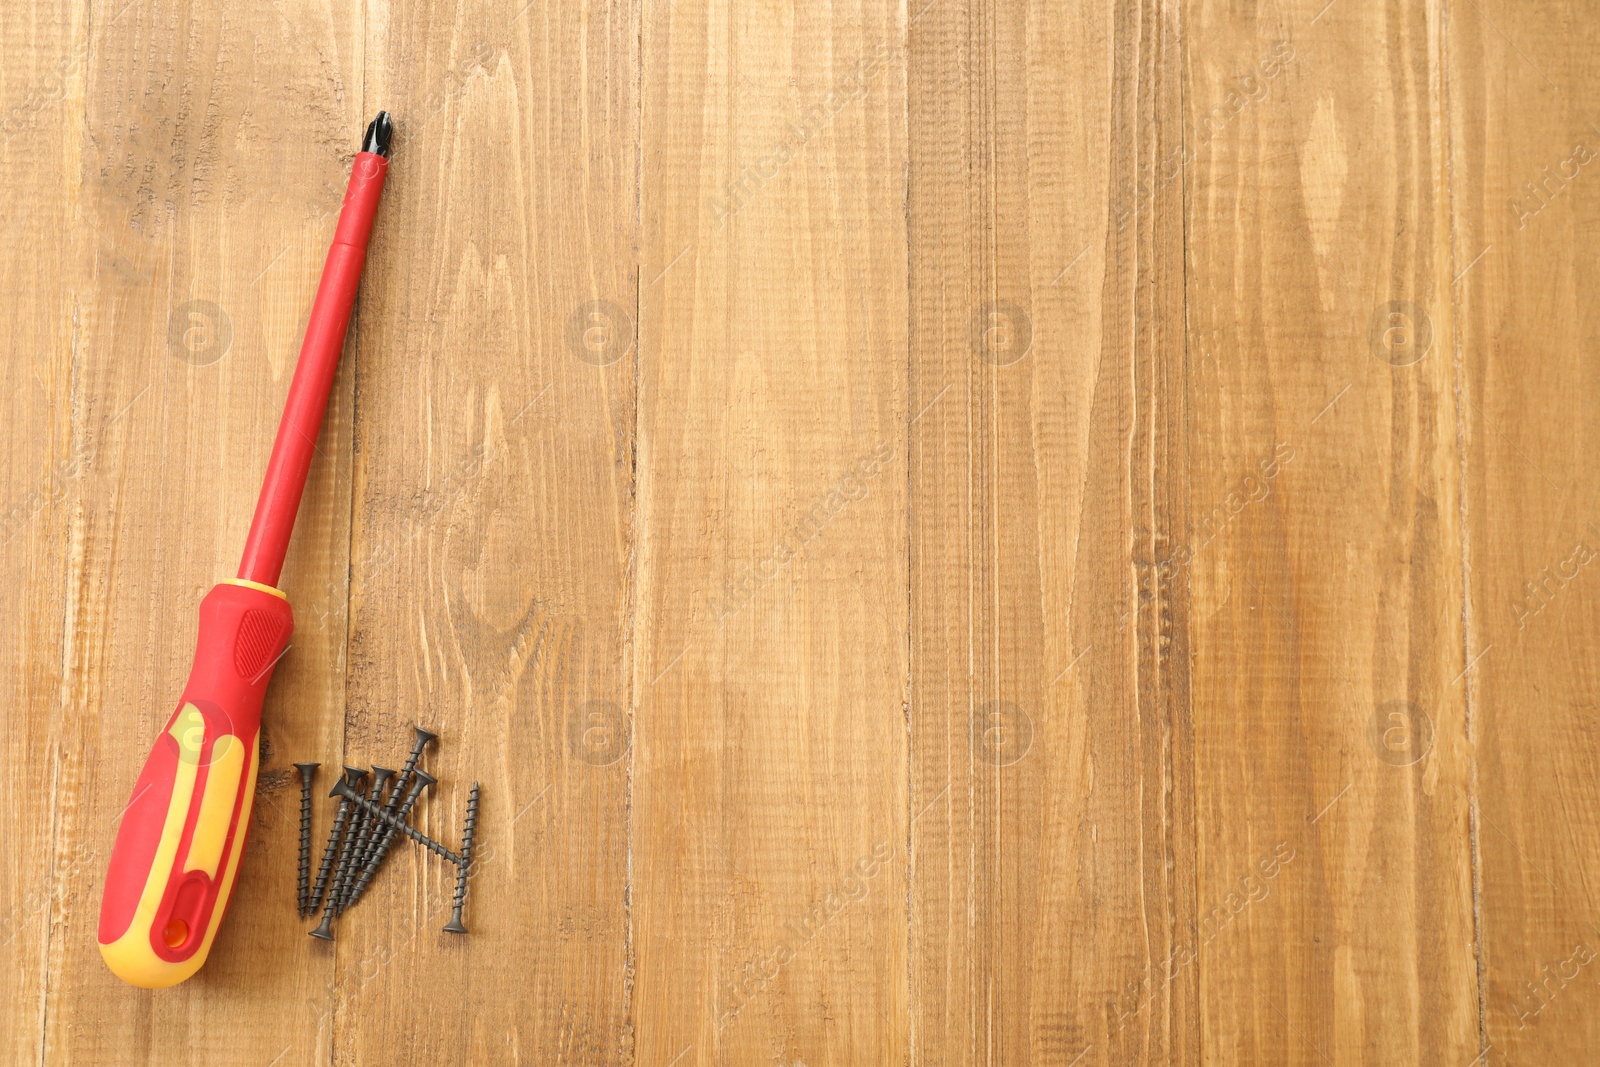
x=68, y=615
x=1475, y=856
x=629, y=942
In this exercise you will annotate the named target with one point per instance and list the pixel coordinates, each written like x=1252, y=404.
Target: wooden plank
x=1182, y=658
x=490, y=560
x=204, y=202
x=1335, y=918
x=769, y=818
x=1053, y=842
x=41, y=92
x=1526, y=136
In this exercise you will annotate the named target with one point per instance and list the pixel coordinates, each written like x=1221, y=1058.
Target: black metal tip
x=379, y=132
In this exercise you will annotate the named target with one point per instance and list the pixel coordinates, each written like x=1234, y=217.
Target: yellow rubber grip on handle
x=179, y=843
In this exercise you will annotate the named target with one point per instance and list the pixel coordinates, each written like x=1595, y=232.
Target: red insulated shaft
x=319, y=359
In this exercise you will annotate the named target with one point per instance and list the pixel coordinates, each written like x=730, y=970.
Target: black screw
x=399, y=792
x=423, y=738
x=423, y=780
x=400, y=784
x=389, y=803
x=326, y=867
x=454, y=926
x=344, y=788
x=364, y=830
x=303, y=888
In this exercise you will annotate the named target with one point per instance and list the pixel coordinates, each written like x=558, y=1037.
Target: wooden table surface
x=960, y=532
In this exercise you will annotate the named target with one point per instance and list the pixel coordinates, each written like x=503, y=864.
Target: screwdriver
x=178, y=846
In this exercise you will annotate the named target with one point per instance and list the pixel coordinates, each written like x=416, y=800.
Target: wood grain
x=185, y=327
x=1526, y=130
x=1053, y=844
x=949, y=534
x=769, y=814
x=41, y=83
x=1335, y=920
x=493, y=533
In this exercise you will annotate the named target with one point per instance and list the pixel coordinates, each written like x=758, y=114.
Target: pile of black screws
x=363, y=829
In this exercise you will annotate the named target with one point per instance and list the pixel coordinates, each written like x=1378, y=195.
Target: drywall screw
x=423, y=780
x=399, y=791
x=467, y=831
x=423, y=738
x=334, y=838
x=303, y=887
x=406, y=771
x=345, y=872
x=400, y=784
x=376, y=812
x=345, y=787
x=367, y=848
x=364, y=830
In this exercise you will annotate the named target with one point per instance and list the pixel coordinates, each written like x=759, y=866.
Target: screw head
x=424, y=736
x=306, y=768
x=342, y=788
x=453, y=927
x=353, y=774
x=424, y=777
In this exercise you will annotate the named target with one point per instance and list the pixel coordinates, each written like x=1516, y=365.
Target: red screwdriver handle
x=178, y=844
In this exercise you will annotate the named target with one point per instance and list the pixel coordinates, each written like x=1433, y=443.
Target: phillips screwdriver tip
x=379, y=132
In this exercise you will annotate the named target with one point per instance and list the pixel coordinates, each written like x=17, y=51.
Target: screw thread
x=416, y=835
x=303, y=885
x=363, y=838
x=468, y=831
x=340, y=883
x=328, y=855
x=331, y=901
x=401, y=783
x=383, y=841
